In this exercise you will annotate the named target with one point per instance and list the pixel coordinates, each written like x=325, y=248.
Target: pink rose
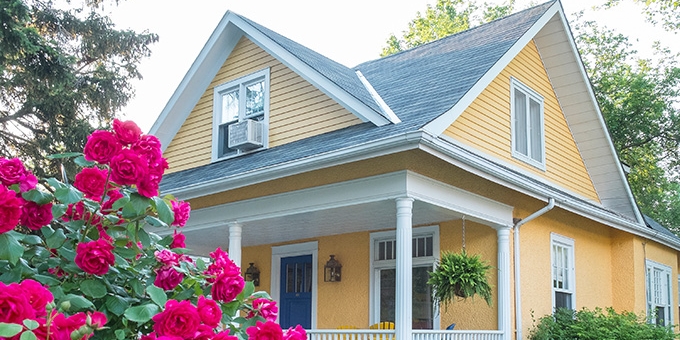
x=167, y=257
x=92, y=182
x=168, y=278
x=128, y=168
x=101, y=146
x=35, y=216
x=113, y=195
x=204, y=332
x=224, y=335
x=178, y=240
x=28, y=182
x=37, y=295
x=221, y=264
x=150, y=336
x=226, y=287
x=209, y=311
x=265, y=308
x=150, y=147
x=178, y=319
x=148, y=186
x=265, y=331
x=10, y=209
x=127, y=131
x=297, y=333
x=181, y=210
x=95, y=257
x=14, y=304
x=97, y=320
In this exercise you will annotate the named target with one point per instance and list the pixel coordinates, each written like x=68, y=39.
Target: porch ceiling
x=361, y=205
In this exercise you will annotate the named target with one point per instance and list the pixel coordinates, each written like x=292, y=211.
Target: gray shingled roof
x=651, y=223
x=339, y=74
x=418, y=84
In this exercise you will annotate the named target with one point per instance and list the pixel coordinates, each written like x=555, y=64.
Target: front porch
x=350, y=219
x=417, y=334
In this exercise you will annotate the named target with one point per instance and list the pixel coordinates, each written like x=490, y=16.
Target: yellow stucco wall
x=479, y=240
x=297, y=109
x=485, y=125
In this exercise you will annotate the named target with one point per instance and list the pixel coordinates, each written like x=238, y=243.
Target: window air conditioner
x=245, y=135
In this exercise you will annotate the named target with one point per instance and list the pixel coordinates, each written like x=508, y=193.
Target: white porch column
x=403, y=308
x=235, y=230
x=504, y=288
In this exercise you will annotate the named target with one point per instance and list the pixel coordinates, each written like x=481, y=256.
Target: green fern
x=459, y=275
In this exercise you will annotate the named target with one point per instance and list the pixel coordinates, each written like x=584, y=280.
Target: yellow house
x=489, y=139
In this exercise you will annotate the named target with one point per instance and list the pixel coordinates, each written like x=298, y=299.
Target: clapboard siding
x=485, y=125
x=297, y=109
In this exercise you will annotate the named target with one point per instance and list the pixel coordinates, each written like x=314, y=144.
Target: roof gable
x=335, y=80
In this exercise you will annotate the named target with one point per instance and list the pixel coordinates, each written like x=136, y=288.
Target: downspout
x=518, y=296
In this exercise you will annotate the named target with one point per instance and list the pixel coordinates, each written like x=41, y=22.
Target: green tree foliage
x=445, y=18
x=664, y=12
x=63, y=71
x=640, y=101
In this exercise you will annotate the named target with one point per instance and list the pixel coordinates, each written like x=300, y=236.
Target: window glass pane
x=381, y=250
x=536, y=131
x=421, y=247
x=562, y=300
x=229, y=106
x=429, y=246
x=290, y=278
x=387, y=294
x=308, y=278
x=521, y=142
x=390, y=252
x=299, y=278
x=255, y=98
x=422, y=299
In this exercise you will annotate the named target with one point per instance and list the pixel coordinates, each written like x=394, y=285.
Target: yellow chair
x=383, y=325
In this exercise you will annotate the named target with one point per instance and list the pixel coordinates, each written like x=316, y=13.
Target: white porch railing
x=388, y=334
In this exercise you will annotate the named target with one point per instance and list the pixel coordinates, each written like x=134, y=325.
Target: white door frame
x=279, y=252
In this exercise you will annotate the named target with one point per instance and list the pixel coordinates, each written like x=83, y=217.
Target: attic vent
x=245, y=135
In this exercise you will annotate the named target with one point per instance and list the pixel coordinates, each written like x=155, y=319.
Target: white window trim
x=650, y=264
x=530, y=93
x=217, y=111
x=374, y=291
x=279, y=252
x=569, y=244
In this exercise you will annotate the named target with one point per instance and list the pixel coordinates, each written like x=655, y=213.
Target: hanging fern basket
x=459, y=275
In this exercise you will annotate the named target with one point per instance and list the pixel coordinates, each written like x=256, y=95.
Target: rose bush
x=80, y=262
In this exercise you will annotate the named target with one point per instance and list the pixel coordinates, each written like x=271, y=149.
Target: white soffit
x=577, y=100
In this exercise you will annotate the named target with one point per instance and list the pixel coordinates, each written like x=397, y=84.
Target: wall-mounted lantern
x=332, y=270
x=253, y=274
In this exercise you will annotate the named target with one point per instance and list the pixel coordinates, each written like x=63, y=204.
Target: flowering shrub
x=86, y=265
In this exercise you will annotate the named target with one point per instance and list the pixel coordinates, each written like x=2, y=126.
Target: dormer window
x=241, y=115
x=528, y=139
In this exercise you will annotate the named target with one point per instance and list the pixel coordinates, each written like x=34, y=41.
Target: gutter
x=518, y=296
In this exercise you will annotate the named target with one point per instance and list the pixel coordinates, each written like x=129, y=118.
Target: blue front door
x=296, y=292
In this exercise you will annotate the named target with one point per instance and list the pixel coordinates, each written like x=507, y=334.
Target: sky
x=347, y=31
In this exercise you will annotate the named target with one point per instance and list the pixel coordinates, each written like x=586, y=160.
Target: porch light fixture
x=332, y=270
x=253, y=274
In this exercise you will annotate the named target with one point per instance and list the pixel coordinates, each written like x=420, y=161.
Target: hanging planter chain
x=463, y=232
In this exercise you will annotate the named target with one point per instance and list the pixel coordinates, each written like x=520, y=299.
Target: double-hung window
x=562, y=262
x=659, y=297
x=425, y=245
x=528, y=139
x=241, y=115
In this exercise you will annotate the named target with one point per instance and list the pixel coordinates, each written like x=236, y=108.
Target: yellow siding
x=297, y=109
x=485, y=125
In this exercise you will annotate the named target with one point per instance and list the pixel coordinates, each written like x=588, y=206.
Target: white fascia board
x=378, y=99
x=390, y=145
x=208, y=62
x=600, y=116
x=377, y=188
x=437, y=126
x=351, y=103
x=492, y=172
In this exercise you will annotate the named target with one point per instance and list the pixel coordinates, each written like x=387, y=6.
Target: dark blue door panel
x=296, y=292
